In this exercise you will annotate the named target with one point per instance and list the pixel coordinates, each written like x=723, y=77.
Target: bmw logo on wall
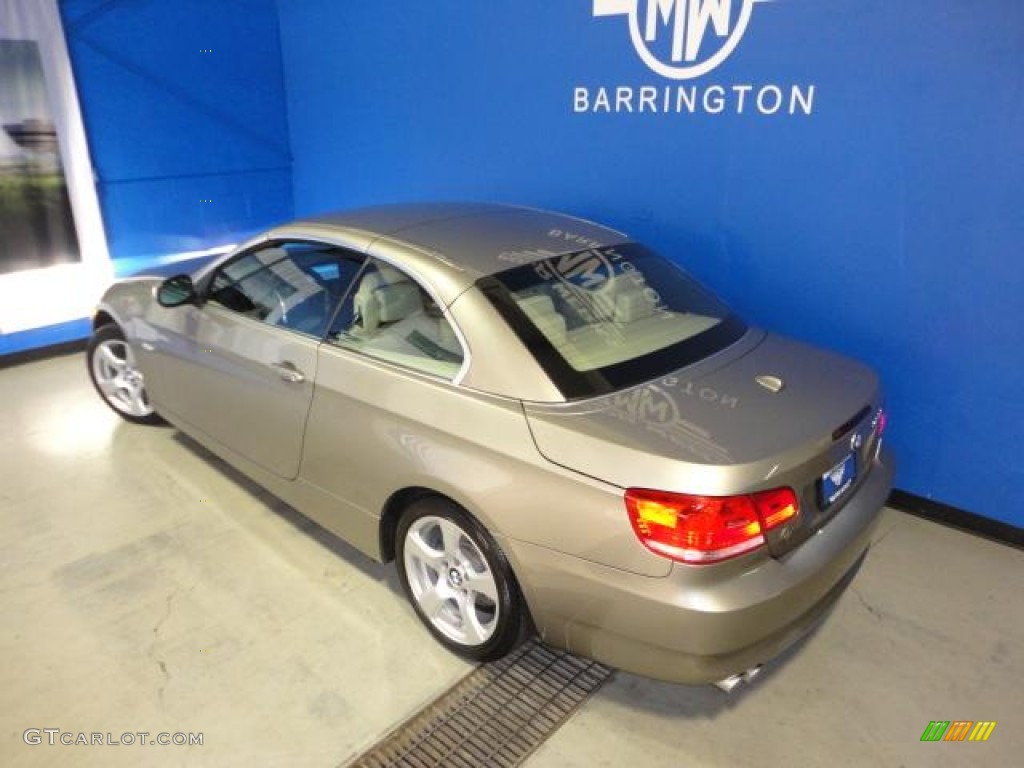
x=682, y=41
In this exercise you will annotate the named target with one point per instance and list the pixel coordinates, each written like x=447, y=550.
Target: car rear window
x=606, y=318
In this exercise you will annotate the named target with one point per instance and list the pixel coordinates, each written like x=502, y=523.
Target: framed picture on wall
x=53, y=253
x=37, y=226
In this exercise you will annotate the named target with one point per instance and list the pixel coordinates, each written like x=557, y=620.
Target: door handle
x=289, y=372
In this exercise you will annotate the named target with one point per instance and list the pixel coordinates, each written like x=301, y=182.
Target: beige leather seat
x=626, y=299
x=542, y=313
x=385, y=296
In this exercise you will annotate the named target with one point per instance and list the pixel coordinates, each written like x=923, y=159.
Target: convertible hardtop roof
x=482, y=238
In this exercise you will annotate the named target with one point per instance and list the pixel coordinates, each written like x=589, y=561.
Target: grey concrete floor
x=145, y=586
x=932, y=628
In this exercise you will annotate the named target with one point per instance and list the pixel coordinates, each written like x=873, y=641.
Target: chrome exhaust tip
x=728, y=685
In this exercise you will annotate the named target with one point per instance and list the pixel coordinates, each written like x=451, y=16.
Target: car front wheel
x=116, y=377
x=459, y=581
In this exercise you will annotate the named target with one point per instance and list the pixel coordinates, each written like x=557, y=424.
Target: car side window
x=389, y=316
x=294, y=285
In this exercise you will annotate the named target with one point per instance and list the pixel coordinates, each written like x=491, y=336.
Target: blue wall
x=886, y=223
x=184, y=109
x=46, y=336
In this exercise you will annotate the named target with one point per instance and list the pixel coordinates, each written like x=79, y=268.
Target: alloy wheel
x=451, y=581
x=118, y=379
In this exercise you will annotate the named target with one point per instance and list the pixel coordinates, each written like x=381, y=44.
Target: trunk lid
x=713, y=429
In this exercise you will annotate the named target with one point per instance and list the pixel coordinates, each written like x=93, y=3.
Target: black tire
x=121, y=388
x=473, y=624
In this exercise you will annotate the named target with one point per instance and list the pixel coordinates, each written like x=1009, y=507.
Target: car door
x=240, y=366
x=385, y=375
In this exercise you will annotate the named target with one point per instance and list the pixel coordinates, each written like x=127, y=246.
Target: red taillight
x=706, y=529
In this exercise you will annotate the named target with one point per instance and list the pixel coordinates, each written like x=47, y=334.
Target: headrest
x=398, y=301
x=627, y=299
x=384, y=296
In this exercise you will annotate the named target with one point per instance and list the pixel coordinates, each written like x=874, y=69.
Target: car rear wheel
x=459, y=581
x=116, y=377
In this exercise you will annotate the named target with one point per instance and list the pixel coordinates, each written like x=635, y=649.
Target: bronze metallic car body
x=351, y=439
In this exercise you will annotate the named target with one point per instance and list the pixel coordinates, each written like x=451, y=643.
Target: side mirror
x=176, y=291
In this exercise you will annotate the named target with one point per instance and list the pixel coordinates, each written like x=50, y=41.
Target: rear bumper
x=701, y=624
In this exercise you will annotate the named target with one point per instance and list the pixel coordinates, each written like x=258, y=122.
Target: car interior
x=392, y=318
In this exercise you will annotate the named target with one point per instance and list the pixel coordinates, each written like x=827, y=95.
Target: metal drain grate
x=495, y=716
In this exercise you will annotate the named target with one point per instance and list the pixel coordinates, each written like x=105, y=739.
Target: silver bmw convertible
x=546, y=425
